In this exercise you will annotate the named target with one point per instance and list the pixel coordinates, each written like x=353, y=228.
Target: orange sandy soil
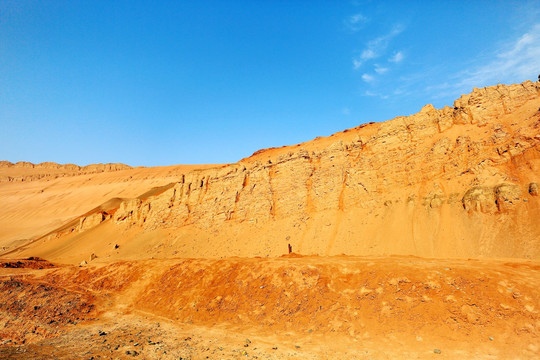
x=277, y=308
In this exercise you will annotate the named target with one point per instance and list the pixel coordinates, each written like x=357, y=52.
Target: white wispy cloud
x=397, y=57
x=374, y=94
x=368, y=54
x=377, y=47
x=515, y=61
x=380, y=70
x=356, y=22
x=368, y=77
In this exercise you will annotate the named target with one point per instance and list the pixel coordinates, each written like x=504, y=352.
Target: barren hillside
x=454, y=182
x=415, y=238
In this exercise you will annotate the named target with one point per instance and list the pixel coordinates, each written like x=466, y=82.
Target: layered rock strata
x=458, y=181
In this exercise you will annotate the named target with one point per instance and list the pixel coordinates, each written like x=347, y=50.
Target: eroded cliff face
x=454, y=182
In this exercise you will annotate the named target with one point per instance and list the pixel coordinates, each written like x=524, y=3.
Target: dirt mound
x=342, y=306
x=30, y=263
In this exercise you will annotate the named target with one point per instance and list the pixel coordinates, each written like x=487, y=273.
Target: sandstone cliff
x=451, y=182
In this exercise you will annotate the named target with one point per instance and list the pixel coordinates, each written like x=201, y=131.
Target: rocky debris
x=29, y=263
x=533, y=189
x=32, y=311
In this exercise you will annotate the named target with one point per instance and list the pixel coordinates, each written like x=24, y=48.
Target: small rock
x=102, y=333
x=297, y=346
x=533, y=189
x=248, y=341
x=490, y=338
x=437, y=351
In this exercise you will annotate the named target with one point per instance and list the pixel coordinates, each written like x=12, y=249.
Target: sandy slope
x=50, y=196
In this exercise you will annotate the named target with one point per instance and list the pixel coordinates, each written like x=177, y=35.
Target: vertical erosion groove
x=271, y=176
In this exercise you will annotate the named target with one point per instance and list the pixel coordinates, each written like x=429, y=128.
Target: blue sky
x=187, y=82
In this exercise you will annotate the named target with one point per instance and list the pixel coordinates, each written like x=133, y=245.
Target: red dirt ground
x=306, y=307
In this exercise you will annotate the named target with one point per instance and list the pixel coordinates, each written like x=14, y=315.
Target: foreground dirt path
x=277, y=308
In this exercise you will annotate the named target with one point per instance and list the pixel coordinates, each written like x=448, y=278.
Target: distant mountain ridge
x=27, y=171
x=70, y=167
